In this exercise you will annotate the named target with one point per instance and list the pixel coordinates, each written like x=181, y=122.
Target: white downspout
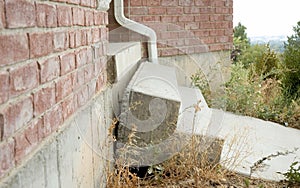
x=137, y=27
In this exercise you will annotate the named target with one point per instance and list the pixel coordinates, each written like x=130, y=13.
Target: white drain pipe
x=137, y=27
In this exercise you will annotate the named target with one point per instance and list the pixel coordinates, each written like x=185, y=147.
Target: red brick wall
x=184, y=26
x=52, y=61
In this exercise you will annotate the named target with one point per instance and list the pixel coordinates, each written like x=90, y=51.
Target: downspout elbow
x=137, y=27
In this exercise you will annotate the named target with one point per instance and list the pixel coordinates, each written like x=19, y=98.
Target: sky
x=267, y=17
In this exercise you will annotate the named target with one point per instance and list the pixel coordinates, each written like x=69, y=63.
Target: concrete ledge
x=121, y=58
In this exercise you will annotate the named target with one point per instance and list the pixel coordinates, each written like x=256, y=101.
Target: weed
x=293, y=174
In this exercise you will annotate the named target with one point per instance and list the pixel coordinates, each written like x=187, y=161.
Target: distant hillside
x=276, y=42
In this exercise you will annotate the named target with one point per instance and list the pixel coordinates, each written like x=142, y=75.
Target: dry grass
x=192, y=167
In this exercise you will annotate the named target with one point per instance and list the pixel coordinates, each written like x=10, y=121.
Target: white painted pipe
x=137, y=27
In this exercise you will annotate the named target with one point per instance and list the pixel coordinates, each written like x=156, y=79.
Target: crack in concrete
x=260, y=163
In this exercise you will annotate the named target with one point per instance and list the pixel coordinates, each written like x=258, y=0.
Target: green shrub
x=291, y=60
x=251, y=55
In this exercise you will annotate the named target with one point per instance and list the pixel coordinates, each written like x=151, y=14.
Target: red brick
x=67, y=63
x=100, y=66
x=157, y=10
x=136, y=2
x=64, y=87
x=72, y=39
x=104, y=34
x=64, y=16
x=207, y=10
x=89, y=55
x=23, y=78
x=208, y=40
x=207, y=25
x=102, y=80
x=85, y=3
x=46, y=15
x=169, y=3
x=138, y=11
x=216, y=17
x=7, y=152
x=89, y=38
x=76, y=2
x=40, y=44
x=191, y=10
x=169, y=52
x=4, y=87
x=78, y=40
x=191, y=26
x=13, y=48
x=88, y=72
x=203, y=3
x=83, y=96
x=218, y=3
x=69, y=106
x=186, y=50
x=216, y=32
x=202, y=33
x=53, y=119
x=217, y=47
x=176, y=42
x=49, y=69
x=153, y=3
x=81, y=57
x=79, y=78
x=186, y=2
x=89, y=18
x=201, y=49
x=221, y=25
x=151, y=18
x=222, y=39
x=169, y=19
x=78, y=16
x=99, y=18
x=186, y=18
x=43, y=99
x=26, y=141
x=228, y=17
x=17, y=115
x=60, y=41
x=192, y=42
x=20, y=13
x=175, y=10
x=94, y=3
x=95, y=35
x=106, y=18
x=202, y=17
x=2, y=15
x=220, y=10
x=83, y=37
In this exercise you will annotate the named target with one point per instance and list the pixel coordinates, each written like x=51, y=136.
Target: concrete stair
x=159, y=117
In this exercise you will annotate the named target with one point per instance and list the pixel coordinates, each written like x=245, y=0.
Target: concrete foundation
x=76, y=156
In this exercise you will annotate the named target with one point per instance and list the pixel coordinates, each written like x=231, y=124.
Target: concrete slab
x=193, y=111
x=257, y=148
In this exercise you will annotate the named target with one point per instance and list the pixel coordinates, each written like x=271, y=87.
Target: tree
x=240, y=32
x=240, y=41
x=291, y=60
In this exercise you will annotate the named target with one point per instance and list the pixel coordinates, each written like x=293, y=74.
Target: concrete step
x=150, y=106
x=123, y=60
x=158, y=115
